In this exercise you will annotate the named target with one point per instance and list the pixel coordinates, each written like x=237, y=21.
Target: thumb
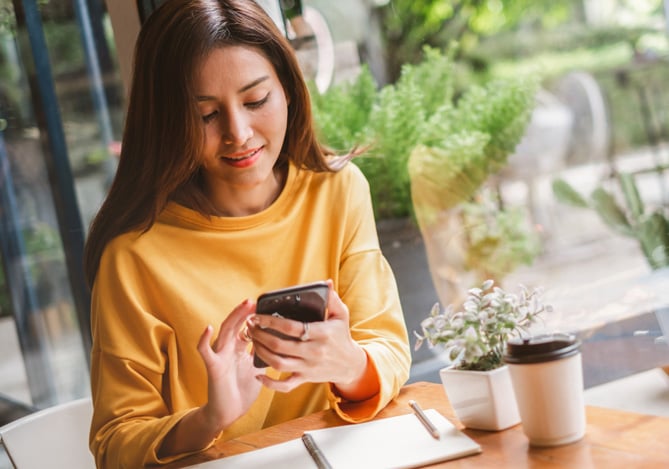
x=336, y=307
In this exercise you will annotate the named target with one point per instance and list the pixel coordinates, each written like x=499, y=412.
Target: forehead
x=233, y=65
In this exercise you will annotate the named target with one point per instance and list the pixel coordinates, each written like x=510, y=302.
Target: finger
x=262, y=323
x=336, y=307
x=284, y=385
x=289, y=357
x=293, y=342
x=231, y=326
x=203, y=346
x=244, y=334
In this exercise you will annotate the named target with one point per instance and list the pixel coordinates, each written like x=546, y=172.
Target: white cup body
x=550, y=400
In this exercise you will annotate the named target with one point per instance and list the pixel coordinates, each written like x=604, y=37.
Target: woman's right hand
x=232, y=383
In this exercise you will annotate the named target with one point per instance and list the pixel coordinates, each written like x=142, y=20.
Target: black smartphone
x=306, y=303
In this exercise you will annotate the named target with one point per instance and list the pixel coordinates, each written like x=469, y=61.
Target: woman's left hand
x=329, y=353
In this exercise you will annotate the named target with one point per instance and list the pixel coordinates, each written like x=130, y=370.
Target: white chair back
x=54, y=437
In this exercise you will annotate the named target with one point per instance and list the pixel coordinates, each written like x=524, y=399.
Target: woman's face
x=244, y=112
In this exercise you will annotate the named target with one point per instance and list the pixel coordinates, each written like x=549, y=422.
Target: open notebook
x=393, y=442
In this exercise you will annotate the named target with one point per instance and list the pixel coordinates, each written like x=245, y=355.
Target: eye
x=209, y=117
x=259, y=103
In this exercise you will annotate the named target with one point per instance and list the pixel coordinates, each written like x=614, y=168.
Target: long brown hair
x=163, y=133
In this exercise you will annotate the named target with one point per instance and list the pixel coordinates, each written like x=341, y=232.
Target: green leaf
x=631, y=193
x=342, y=112
x=610, y=212
x=565, y=193
x=501, y=109
x=653, y=235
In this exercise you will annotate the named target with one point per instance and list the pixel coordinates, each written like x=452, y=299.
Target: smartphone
x=306, y=303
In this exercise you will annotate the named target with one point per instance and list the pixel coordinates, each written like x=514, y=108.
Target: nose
x=236, y=129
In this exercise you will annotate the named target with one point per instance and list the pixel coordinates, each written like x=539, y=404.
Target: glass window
x=44, y=349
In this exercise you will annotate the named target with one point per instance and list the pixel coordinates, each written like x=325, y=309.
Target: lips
x=242, y=154
x=243, y=158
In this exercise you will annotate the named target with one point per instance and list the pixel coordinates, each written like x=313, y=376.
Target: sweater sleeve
x=129, y=359
x=128, y=434
x=368, y=287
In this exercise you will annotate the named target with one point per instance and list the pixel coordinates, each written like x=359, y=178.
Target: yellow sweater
x=155, y=293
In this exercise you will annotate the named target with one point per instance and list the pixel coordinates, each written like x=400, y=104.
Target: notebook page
x=394, y=442
x=289, y=455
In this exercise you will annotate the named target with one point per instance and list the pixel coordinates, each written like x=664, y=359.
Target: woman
x=222, y=193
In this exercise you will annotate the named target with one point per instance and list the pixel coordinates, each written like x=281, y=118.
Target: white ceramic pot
x=482, y=400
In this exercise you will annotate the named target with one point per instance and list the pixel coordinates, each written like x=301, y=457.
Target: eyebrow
x=246, y=87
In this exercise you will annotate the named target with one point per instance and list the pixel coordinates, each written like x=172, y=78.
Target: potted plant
x=468, y=142
x=477, y=382
x=390, y=121
x=434, y=145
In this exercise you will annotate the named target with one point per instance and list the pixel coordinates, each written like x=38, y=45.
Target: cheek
x=267, y=124
x=279, y=105
x=278, y=117
x=211, y=139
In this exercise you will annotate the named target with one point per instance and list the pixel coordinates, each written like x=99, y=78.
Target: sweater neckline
x=191, y=217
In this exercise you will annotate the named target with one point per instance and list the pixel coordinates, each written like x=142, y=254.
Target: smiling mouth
x=242, y=155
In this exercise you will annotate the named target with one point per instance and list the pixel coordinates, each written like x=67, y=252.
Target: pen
x=429, y=426
x=315, y=452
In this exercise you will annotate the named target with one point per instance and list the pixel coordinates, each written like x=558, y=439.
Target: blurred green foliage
x=498, y=240
x=411, y=24
x=391, y=120
x=457, y=137
x=435, y=142
x=540, y=38
x=7, y=21
x=632, y=218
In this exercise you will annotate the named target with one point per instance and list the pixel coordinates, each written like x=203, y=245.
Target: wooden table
x=614, y=439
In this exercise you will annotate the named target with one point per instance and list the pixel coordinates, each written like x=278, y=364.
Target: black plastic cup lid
x=541, y=348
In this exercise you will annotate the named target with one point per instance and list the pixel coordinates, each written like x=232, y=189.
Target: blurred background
x=595, y=72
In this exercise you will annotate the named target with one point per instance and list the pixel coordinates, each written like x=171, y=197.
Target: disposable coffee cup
x=547, y=377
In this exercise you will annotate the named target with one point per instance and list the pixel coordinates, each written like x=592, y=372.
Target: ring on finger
x=245, y=334
x=305, y=333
